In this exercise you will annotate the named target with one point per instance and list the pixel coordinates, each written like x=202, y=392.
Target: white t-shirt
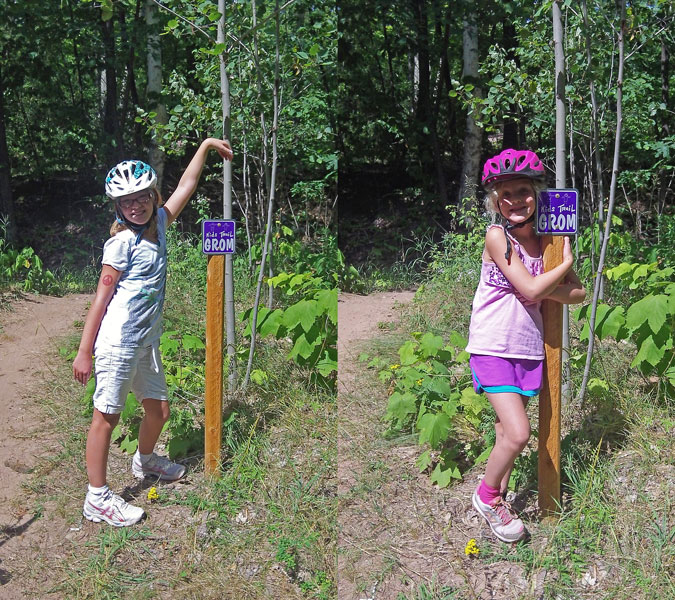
x=134, y=314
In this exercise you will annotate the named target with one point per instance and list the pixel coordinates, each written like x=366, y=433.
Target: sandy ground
x=29, y=341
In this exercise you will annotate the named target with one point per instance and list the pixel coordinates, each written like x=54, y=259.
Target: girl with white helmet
x=123, y=327
x=506, y=331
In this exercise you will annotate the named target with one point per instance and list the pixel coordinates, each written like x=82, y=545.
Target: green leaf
x=258, y=376
x=457, y=340
x=430, y=344
x=407, y=353
x=442, y=477
x=129, y=445
x=652, y=309
x=597, y=387
x=610, y=323
x=401, y=406
x=327, y=303
x=484, y=455
x=440, y=386
x=649, y=352
x=271, y=323
x=424, y=461
x=433, y=428
x=130, y=407
x=326, y=365
x=302, y=347
x=303, y=312
x=192, y=342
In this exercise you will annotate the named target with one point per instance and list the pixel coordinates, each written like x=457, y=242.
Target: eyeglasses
x=139, y=201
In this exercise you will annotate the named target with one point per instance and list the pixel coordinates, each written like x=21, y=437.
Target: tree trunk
x=596, y=142
x=110, y=114
x=561, y=182
x=270, y=205
x=511, y=129
x=6, y=199
x=665, y=126
x=610, y=208
x=154, y=88
x=473, y=134
x=230, y=338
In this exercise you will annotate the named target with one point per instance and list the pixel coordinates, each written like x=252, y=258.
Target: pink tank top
x=503, y=323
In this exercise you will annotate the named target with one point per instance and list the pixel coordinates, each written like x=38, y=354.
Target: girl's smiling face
x=137, y=207
x=516, y=200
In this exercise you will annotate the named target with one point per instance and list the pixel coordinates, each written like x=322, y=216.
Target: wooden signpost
x=217, y=240
x=556, y=216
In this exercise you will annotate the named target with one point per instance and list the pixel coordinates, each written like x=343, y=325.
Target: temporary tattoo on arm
x=107, y=280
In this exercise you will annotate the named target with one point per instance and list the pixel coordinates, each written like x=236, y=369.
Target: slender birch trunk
x=610, y=207
x=270, y=205
x=230, y=340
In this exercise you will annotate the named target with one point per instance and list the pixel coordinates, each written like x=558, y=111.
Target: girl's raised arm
x=530, y=287
x=107, y=283
x=188, y=182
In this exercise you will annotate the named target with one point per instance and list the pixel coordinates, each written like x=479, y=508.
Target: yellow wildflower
x=394, y=367
x=471, y=548
x=152, y=494
x=419, y=381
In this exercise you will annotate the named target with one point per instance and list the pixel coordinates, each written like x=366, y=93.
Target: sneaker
x=157, y=466
x=112, y=509
x=502, y=519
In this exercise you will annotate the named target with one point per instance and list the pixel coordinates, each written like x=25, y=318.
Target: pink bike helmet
x=510, y=164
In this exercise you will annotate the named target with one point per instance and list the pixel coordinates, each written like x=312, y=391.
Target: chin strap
x=508, y=226
x=139, y=230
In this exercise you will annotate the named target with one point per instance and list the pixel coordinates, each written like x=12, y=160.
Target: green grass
x=614, y=537
x=269, y=520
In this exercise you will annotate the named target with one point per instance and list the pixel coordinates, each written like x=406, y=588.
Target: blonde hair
x=116, y=227
x=492, y=197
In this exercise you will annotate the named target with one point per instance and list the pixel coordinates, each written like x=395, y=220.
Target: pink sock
x=487, y=494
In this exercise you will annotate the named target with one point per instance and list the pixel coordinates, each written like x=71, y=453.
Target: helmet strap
x=139, y=230
x=508, y=226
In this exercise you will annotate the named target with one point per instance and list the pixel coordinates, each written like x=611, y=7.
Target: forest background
x=429, y=91
x=394, y=105
x=84, y=85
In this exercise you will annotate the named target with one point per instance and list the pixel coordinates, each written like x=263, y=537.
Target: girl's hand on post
x=222, y=147
x=568, y=257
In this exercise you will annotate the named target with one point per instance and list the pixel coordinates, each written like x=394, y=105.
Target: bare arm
x=82, y=364
x=530, y=287
x=570, y=291
x=188, y=182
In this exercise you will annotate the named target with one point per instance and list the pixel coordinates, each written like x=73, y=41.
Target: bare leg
x=98, y=446
x=156, y=414
x=510, y=441
x=499, y=429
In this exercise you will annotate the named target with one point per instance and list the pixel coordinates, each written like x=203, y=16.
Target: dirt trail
x=29, y=335
x=398, y=532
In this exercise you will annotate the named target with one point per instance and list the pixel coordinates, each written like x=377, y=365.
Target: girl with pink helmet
x=506, y=331
x=124, y=325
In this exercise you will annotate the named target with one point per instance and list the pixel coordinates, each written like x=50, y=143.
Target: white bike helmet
x=128, y=177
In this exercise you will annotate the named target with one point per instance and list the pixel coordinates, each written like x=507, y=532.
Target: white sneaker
x=112, y=509
x=502, y=519
x=157, y=466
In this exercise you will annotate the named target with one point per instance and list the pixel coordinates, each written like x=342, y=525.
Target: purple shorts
x=495, y=374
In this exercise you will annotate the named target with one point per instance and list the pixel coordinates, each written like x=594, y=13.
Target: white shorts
x=121, y=369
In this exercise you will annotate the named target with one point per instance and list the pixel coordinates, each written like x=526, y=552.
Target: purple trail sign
x=218, y=237
x=557, y=212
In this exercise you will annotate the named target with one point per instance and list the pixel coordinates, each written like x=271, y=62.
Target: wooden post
x=213, y=393
x=549, y=397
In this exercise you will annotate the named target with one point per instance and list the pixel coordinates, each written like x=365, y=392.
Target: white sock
x=143, y=458
x=98, y=491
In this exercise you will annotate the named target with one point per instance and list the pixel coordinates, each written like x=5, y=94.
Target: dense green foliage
x=404, y=102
